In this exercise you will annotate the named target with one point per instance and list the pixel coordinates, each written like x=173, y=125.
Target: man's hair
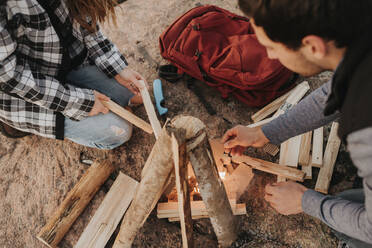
x=289, y=21
x=89, y=12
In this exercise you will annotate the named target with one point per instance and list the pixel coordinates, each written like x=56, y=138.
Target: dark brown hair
x=89, y=12
x=289, y=21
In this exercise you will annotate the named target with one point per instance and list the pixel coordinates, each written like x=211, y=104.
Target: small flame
x=222, y=174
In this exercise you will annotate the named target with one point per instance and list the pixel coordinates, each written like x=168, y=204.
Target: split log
x=198, y=208
x=241, y=209
x=74, y=203
x=270, y=108
x=150, y=110
x=109, y=213
x=289, y=153
x=308, y=170
x=317, y=153
x=184, y=207
x=125, y=114
x=304, y=157
x=330, y=156
x=160, y=165
x=213, y=191
x=269, y=167
x=296, y=95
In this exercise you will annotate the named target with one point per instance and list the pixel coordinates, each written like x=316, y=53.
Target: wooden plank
x=296, y=95
x=184, y=207
x=269, y=167
x=317, y=152
x=125, y=114
x=240, y=209
x=150, y=110
x=289, y=153
x=198, y=208
x=270, y=108
x=238, y=181
x=293, y=98
x=330, y=156
x=109, y=213
x=308, y=170
x=218, y=151
x=74, y=203
x=304, y=157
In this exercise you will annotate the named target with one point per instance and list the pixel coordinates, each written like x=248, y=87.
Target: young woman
x=56, y=68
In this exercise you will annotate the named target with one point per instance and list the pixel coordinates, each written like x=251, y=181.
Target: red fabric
x=223, y=45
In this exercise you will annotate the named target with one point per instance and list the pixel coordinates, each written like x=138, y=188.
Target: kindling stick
x=125, y=114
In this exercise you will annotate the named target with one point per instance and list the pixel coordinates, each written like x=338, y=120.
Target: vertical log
x=213, y=191
x=74, y=203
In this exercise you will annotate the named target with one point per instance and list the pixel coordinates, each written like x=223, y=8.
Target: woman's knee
x=118, y=134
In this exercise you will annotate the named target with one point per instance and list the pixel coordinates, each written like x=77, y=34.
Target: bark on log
x=213, y=192
x=159, y=165
x=74, y=203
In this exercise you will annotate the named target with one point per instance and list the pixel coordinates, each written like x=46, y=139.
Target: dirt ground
x=36, y=173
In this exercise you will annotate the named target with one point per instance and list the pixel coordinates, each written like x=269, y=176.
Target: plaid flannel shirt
x=32, y=98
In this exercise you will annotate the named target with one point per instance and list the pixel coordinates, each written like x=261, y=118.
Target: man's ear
x=314, y=46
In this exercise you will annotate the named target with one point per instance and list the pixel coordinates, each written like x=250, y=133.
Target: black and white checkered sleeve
x=17, y=78
x=104, y=53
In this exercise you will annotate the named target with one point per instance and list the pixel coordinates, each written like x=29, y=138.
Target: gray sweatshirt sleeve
x=305, y=116
x=351, y=218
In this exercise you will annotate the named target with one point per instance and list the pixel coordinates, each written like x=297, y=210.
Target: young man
x=308, y=37
x=55, y=69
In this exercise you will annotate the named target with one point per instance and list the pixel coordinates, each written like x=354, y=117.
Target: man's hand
x=131, y=80
x=98, y=106
x=285, y=197
x=238, y=138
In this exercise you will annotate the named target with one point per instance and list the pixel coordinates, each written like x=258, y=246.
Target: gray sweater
x=350, y=218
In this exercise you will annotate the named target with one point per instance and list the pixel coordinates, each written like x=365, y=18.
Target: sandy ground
x=36, y=173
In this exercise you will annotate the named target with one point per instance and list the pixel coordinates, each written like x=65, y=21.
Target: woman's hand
x=98, y=106
x=131, y=80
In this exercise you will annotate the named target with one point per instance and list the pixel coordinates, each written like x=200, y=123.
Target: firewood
x=330, y=156
x=125, y=114
x=308, y=170
x=270, y=108
x=289, y=153
x=269, y=167
x=317, y=153
x=305, y=147
x=213, y=192
x=150, y=110
x=159, y=166
x=74, y=203
x=240, y=209
x=109, y=213
x=198, y=208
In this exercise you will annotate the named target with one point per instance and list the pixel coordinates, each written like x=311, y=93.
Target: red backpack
x=220, y=48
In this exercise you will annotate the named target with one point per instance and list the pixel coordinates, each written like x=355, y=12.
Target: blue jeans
x=355, y=195
x=101, y=131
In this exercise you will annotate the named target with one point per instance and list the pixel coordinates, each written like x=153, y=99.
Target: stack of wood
x=306, y=149
x=181, y=141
